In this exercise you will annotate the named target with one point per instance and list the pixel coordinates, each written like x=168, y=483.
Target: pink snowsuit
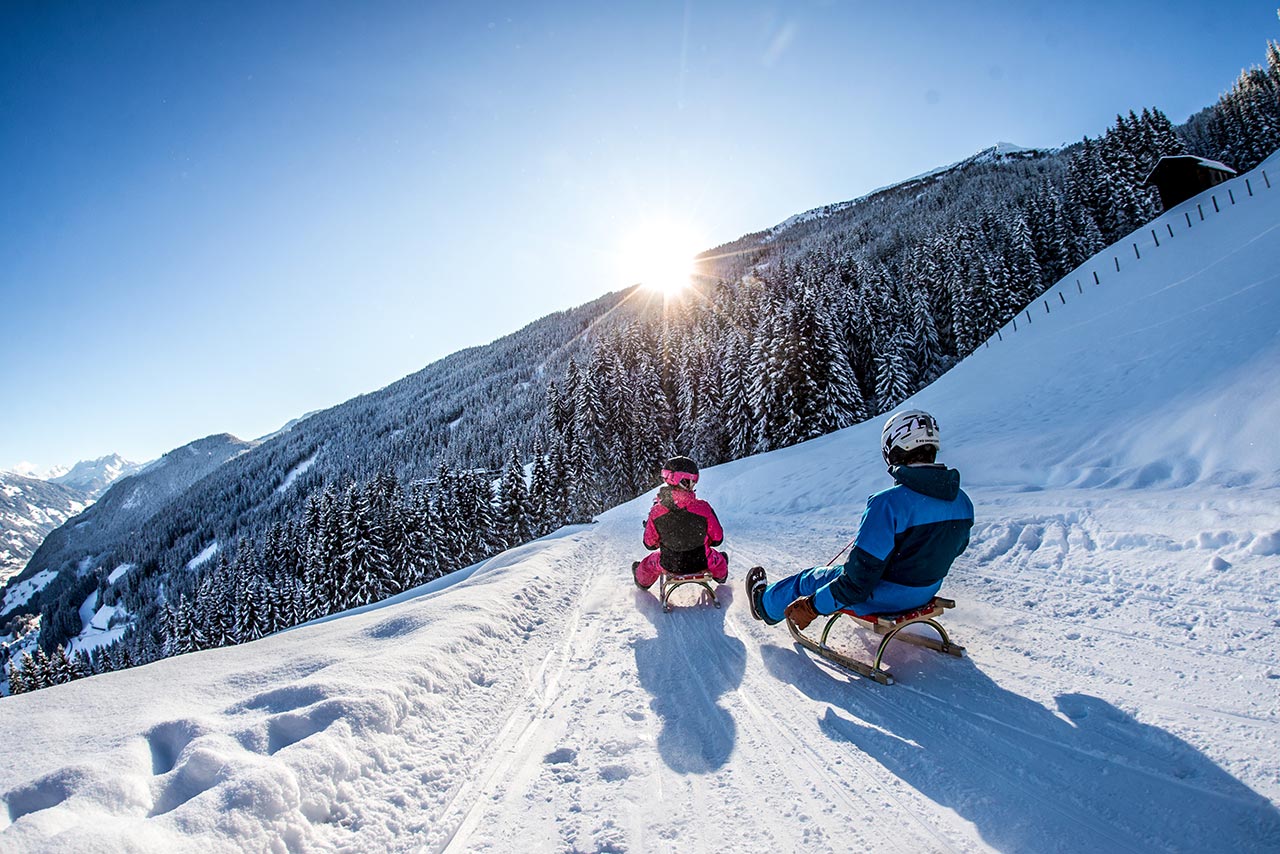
x=685, y=528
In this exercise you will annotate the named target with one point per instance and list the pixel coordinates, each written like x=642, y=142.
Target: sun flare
x=660, y=255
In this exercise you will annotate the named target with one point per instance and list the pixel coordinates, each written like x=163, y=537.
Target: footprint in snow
x=614, y=773
x=560, y=756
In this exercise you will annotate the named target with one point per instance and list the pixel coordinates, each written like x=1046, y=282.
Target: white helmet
x=907, y=431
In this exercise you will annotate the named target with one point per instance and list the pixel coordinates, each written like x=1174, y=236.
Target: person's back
x=682, y=529
x=910, y=535
x=682, y=526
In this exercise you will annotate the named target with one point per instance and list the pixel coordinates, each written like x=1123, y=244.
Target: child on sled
x=681, y=530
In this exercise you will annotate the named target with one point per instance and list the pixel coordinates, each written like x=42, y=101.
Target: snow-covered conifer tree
x=513, y=502
x=892, y=374
x=17, y=679
x=362, y=548
x=539, y=491
x=558, y=485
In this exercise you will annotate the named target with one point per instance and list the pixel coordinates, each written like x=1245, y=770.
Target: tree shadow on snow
x=1086, y=777
x=686, y=668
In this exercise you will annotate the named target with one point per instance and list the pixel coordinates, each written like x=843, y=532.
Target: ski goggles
x=677, y=478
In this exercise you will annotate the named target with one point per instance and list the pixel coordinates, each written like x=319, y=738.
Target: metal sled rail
x=668, y=582
x=889, y=626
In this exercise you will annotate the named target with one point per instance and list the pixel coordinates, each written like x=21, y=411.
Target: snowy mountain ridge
x=63, y=564
x=92, y=477
x=1118, y=603
x=31, y=507
x=995, y=153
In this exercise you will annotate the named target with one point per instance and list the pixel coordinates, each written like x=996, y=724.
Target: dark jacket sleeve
x=650, y=530
x=862, y=572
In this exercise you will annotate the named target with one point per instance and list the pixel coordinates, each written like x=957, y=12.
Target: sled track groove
x=509, y=743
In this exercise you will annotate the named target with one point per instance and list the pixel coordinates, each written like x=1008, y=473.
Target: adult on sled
x=910, y=535
x=681, y=530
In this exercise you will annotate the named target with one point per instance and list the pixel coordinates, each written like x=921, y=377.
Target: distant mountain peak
x=92, y=477
x=1009, y=148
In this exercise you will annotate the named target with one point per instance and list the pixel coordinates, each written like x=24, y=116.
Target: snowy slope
x=129, y=502
x=29, y=510
x=1119, y=606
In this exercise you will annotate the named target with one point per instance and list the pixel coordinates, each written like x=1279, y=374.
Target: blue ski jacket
x=910, y=534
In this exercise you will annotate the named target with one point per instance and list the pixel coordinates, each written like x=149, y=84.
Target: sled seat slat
x=884, y=623
x=693, y=576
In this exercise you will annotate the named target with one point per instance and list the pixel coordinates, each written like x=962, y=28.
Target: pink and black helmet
x=680, y=472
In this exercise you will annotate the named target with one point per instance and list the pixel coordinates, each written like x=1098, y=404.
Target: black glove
x=802, y=612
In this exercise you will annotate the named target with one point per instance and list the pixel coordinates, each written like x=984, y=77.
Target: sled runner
x=889, y=626
x=669, y=581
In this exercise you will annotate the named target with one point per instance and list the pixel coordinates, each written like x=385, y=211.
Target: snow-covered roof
x=1176, y=160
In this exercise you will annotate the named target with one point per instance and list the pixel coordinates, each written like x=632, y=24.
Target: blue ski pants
x=887, y=598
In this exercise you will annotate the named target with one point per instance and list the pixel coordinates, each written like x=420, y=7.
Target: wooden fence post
x=1136, y=253
x=1155, y=237
x=1117, y=260
x=1046, y=306
x=1231, y=195
x=1169, y=226
x=1028, y=317
x=1061, y=297
x=1015, y=323
x=1265, y=178
x=1248, y=186
x=1095, y=278
x=1187, y=214
x=1200, y=208
x=1078, y=287
x=1216, y=209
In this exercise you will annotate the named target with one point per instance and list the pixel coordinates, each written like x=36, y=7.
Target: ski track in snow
x=1118, y=604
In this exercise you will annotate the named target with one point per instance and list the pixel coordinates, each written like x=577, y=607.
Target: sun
x=660, y=255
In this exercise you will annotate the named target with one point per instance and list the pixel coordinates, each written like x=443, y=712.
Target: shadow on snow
x=1086, y=777
x=686, y=668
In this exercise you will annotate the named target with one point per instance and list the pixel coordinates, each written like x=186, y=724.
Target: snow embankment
x=1118, y=604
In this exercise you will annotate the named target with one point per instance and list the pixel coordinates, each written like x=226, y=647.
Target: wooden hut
x=1180, y=177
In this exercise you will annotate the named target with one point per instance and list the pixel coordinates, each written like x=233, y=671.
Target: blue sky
x=219, y=216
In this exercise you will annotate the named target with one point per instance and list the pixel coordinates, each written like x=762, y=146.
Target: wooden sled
x=888, y=626
x=669, y=581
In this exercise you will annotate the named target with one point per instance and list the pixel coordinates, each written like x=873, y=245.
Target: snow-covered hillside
x=32, y=507
x=131, y=501
x=29, y=510
x=999, y=151
x=1118, y=604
